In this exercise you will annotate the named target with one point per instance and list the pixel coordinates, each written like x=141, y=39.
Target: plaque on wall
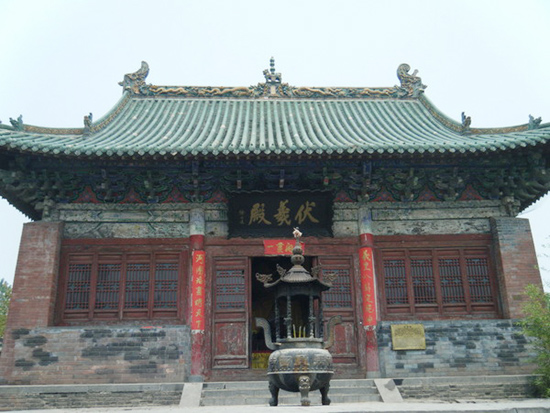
x=408, y=337
x=274, y=214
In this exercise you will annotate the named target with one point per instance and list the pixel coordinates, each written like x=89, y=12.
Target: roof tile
x=169, y=125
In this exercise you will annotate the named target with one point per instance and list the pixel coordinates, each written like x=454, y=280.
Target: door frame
x=246, y=249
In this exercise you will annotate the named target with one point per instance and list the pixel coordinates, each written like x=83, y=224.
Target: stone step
x=263, y=384
x=292, y=400
x=351, y=391
x=257, y=393
x=235, y=385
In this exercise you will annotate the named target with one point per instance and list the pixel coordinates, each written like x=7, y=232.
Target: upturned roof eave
x=457, y=126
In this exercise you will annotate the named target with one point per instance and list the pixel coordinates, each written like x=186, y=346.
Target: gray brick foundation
x=85, y=396
x=466, y=388
x=116, y=354
x=455, y=348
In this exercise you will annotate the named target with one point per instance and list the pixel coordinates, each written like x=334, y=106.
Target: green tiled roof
x=176, y=121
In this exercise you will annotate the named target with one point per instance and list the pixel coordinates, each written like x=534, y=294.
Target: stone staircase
x=257, y=393
x=456, y=389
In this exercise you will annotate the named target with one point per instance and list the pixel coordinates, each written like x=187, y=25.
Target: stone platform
x=350, y=395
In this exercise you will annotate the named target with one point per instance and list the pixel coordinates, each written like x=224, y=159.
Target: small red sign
x=280, y=246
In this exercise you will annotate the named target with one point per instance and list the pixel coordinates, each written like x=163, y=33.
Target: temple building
x=151, y=223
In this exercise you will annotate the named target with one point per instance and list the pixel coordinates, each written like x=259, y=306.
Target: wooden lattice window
x=127, y=284
x=479, y=280
x=423, y=281
x=78, y=286
x=452, y=288
x=339, y=294
x=137, y=285
x=396, y=281
x=230, y=289
x=107, y=287
x=437, y=282
x=166, y=285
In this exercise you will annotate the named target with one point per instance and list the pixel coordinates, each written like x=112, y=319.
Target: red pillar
x=368, y=290
x=198, y=270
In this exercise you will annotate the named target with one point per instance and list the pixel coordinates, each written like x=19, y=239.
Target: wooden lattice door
x=230, y=314
x=339, y=301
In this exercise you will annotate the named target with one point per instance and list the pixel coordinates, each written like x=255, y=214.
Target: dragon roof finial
x=134, y=82
x=410, y=83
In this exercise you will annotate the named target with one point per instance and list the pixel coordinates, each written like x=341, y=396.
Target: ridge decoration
x=17, y=124
x=135, y=82
x=410, y=83
x=411, y=87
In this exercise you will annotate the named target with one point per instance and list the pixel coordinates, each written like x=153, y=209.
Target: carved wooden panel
x=339, y=301
x=230, y=318
x=231, y=345
x=345, y=341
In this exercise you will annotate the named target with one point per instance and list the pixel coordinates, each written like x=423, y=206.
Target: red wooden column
x=368, y=289
x=198, y=266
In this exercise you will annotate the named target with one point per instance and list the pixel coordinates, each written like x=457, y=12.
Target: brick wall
x=36, y=275
x=121, y=354
x=35, y=284
x=515, y=261
x=454, y=348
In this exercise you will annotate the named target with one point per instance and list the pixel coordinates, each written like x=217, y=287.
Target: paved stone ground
x=508, y=406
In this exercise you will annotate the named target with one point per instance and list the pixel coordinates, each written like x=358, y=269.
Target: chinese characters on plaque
x=269, y=214
x=367, y=285
x=280, y=246
x=408, y=337
x=198, y=294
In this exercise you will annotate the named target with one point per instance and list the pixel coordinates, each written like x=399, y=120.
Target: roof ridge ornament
x=271, y=77
x=17, y=123
x=534, y=123
x=411, y=87
x=135, y=82
x=466, y=122
x=410, y=82
x=88, y=119
x=272, y=85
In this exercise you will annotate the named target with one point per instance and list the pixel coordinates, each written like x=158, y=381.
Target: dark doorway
x=263, y=299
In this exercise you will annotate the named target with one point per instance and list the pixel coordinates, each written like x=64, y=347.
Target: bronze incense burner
x=301, y=361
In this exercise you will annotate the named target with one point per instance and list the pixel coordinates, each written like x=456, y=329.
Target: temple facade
x=151, y=223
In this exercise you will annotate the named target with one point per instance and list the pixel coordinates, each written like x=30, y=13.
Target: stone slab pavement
x=466, y=406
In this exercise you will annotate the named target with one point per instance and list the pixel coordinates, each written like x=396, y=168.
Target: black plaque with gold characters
x=408, y=337
x=273, y=214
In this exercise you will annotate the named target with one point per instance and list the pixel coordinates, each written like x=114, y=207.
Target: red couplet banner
x=367, y=286
x=280, y=246
x=198, y=295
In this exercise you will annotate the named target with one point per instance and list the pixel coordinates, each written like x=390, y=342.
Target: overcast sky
x=61, y=59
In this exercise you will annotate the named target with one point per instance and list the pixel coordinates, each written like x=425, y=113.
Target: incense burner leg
x=324, y=395
x=274, y=401
x=304, y=384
